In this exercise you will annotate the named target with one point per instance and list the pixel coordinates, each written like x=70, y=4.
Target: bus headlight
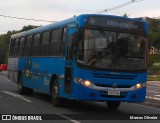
x=84, y=82
x=140, y=85
x=87, y=83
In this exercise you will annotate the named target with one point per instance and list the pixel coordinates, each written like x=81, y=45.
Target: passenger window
x=63, y=43
x=21, y=46
x=45, y=37
x=28, y=46
x=11, y=47
x=44, y=43
x=15, y=49
x=35, y=45
x=55, y=45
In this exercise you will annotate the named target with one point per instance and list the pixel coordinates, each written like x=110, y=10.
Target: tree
x=126, y=15
x=25, y=28
x=4, y=43
x=154, y=35
x=156, y=43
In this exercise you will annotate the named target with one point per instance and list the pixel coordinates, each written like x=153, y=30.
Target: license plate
x=114, y=93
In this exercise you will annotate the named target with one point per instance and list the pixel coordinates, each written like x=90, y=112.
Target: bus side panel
x=13, y=69
x=41, y=70
x=25, y=67
x=45, y=68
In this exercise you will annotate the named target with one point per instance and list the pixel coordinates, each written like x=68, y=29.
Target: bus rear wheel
x=57, y=101
x=113, y=105
x=21, y=89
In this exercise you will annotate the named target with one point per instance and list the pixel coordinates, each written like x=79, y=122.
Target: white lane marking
x=153, y=82
x=147, y=107
x=68, y=118
x=150, y=82
x=16, y=95
x=154, y=98
x=153, y=92
x=156, y=84
x=157, y=95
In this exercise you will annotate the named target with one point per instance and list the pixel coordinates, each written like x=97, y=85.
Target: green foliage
x=153, y=78
x=154, y=64
x=25, y=28
x=153, y=58
x=154, y=33
x=4, y=43
x=126, y=15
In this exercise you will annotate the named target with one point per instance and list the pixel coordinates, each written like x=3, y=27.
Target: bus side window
x=28, y=46
x=44, y=43
x=35, y=45
x=11, y=47
x=69, y=47
x=21, y=47
x=15, y=49
x=56, y=36
x=63, y=41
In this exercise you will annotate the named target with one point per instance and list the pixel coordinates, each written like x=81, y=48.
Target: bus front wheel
x=57, y=101
x=113, y=105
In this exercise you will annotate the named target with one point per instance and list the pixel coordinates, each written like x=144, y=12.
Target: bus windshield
x=112, y=50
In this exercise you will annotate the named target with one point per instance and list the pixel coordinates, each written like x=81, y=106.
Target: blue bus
x=90, y=57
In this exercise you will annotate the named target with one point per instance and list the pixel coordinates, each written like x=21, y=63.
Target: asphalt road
x=153, y=89
x=13, y=103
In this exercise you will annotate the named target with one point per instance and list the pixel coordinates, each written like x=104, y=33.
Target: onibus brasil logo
x=28, y=68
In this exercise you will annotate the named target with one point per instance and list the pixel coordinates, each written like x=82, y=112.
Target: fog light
x=138, y=86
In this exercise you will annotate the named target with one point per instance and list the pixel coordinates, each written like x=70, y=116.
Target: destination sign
x=116, y=23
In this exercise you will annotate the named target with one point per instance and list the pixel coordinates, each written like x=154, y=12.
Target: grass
x=153, y=77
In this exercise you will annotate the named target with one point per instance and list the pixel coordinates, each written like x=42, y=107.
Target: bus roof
x=44, y=28
x=64, y=23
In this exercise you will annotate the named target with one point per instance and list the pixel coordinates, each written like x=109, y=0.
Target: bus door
x=69, y=57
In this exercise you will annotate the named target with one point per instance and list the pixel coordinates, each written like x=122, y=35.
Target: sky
x=57, y=10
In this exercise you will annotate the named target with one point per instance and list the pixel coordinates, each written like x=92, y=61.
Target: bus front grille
x=114, y=76
x=109, y=96
x=110, y=85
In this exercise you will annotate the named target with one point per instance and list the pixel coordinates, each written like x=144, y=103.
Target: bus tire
x=113, y=105
x=21, y=89
x=57, y=101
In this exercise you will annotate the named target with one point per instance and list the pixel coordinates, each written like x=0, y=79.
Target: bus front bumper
x=102, y=94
